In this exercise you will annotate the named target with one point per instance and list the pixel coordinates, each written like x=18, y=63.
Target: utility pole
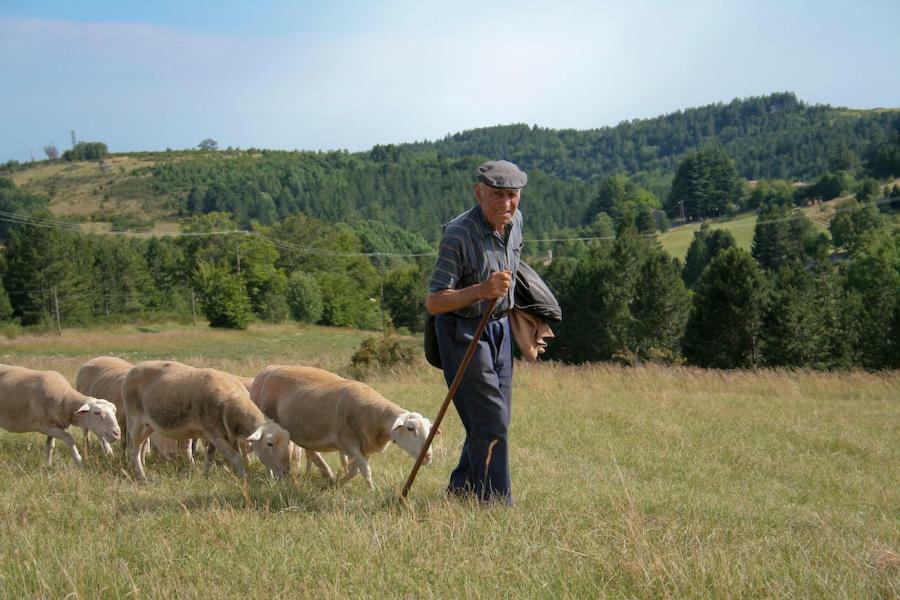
x=56, y=310
x=237, y=251
x=193, y=308
x=73, y=137
x=381, y=281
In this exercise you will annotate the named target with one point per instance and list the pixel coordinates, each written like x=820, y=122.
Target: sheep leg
x=138, y=441
x=320, y=464
x=210, y=457
x=87, y=440
x=68, y=440
x=296, y=456
x=189, y=452
x=50, y=443
x=233, y=455
x=359, y=464
x=104, y=445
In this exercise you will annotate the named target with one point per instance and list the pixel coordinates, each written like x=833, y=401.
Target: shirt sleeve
x=449, y=266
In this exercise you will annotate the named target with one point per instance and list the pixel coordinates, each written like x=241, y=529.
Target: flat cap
x=501, y=174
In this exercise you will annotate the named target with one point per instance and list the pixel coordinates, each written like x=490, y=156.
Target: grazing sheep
x=325, y=412
x=102, y=377
x=182, y=402
x=45, y=402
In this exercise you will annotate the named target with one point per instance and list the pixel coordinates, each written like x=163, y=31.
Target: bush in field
x=223, y=298
x=376, y=353
x=304, y=297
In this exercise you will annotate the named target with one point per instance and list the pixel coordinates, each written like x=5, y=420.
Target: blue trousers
x=483, y=401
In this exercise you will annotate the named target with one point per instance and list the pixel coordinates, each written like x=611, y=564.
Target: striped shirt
x=470, y=251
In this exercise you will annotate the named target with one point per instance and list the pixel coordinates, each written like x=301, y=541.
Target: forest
x=348, y=239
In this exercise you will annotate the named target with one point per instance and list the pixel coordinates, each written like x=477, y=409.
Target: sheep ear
x=85, y=408
x=256, y=435
x=398, y=424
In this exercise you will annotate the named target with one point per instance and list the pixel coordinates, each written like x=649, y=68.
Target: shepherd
x=476, y=272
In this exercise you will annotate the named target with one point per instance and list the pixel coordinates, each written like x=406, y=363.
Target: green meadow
x=649, y=482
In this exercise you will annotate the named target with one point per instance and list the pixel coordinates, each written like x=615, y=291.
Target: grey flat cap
x=501, y=174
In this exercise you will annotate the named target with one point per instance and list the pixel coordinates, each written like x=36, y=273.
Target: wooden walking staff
x=457, y=379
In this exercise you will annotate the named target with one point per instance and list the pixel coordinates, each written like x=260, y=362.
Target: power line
x=285, y=245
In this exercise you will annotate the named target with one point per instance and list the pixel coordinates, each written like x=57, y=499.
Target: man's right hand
x=497, y=284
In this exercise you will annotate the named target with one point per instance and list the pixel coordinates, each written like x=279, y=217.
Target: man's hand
x=446, y=300
x=497, y=285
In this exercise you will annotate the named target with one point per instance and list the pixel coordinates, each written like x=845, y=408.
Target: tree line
x=792, y=301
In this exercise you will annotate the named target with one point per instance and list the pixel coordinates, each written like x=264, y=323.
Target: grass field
x=677, y=241
x=648, y=482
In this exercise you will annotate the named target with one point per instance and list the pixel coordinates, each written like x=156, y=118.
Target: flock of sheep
x=275, y=415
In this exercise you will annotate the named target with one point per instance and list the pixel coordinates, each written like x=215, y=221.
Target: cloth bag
x=532, y=296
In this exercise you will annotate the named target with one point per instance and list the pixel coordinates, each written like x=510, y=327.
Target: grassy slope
x=644, y=482
x=677, y=241
x=83, y=190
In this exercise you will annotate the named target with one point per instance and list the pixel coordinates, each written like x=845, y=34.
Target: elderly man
x=477, y=262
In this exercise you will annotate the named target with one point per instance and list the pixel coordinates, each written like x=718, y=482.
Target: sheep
x=45, y=402
x=102, y=377
x=325, y=412
x=183, y=402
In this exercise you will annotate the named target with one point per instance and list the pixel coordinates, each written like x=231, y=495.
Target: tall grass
x=629, y=482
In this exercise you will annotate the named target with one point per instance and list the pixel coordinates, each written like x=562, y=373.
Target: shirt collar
x=486, y=228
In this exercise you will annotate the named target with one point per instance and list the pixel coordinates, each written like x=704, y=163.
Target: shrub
x=223, y=298
x=376, y=352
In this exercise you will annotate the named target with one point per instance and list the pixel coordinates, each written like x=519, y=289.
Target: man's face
x=498, y=204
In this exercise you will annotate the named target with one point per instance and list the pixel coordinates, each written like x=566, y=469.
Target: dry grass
x=650, y=482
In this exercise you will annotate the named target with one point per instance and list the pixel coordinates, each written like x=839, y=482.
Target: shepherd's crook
x=457, y=379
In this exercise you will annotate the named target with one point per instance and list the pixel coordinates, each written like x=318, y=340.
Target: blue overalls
x=483, y=401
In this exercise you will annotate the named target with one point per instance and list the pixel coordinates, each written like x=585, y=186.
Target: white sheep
x=45, y=402
x=183, y=402
x=102, y=377
x=325, y=412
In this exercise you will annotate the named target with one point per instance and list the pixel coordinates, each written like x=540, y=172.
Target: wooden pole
x=457, y=379
x=193, y=309
x=237, y=252
x=56, y=310
x=381, y=279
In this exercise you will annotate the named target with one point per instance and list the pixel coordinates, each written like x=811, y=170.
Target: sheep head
x=100, y=417
x=272, y=444
x=410, y=431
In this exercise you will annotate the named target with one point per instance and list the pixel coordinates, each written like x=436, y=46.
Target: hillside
x=417, y=186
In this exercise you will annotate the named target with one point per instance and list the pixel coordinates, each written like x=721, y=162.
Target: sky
x=346, y=74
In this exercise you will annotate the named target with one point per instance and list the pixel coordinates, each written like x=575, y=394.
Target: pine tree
x=660, y=309
x=872, y=284
x=723, y=329
x=800, y=319
x=705, y=246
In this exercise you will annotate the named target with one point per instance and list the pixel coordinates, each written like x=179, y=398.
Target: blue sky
x=348, y=74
